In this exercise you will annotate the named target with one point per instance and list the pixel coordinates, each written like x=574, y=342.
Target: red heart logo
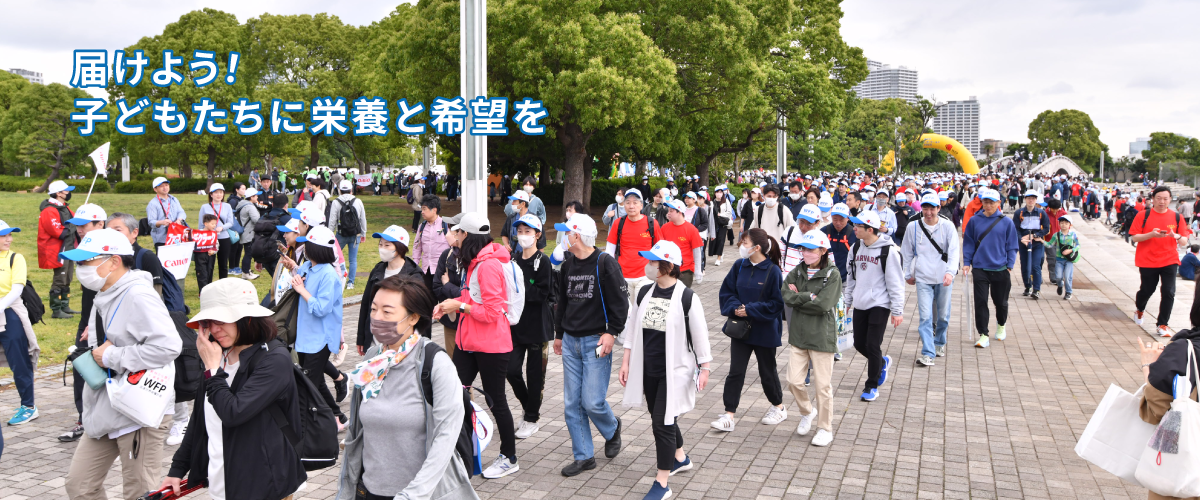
x=105, y=248
x=667, y=255
x=949, y=147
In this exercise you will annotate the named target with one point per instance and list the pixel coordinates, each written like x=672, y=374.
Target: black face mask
x=68, y=198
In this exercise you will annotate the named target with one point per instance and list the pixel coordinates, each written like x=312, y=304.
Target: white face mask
x=619, y=198
x=90, y=279
x=770, y=202
x=652, y=271
x=528, y=189
x=386, y=255
x=525, y=240
x=744, y=252
x=794, y=196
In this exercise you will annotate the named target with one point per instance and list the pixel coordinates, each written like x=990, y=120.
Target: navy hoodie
x=998, y=250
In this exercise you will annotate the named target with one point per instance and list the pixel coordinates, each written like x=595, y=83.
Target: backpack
x=348, y=223
x=467, y=436
x=265, y=235
x=189, y=371
x=316, y=441
x=687, y=307
x=172, y=294
x=883, y=259
x=514, y=278
x=650, y=222
x=1146, y=217
x=778, y=207
x=34, y=306
x=409, y=195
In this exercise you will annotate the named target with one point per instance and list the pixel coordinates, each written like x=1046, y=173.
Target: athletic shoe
x=686, y=464
x=887, y=362
x=774, y=416
x=657, y=492
x=1025, y=293
x=983, y=341
x=1137, y=317
x=612, y=447
x=578, y=466
x=500, y=468
x=1001, y=332
x=1036, y=294
x=250, y=276
x=1060, y=288
x=350, y=286
x=925, y=361
x=237, y=271
x=940, y=350
x=342, y=387
x=1067, y=297
x=72, y=435
x=806, y=423
x=837, y=356
x=823, y=438
x=1163, y=331
x=718, y=262
x=23, y=415
x=870, y=395
x=175, y=436
x=526, y=429
x=724, y=424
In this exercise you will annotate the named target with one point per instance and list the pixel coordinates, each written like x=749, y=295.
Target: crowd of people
x=826, y=257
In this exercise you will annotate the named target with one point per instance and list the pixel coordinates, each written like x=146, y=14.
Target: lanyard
x=166, y=212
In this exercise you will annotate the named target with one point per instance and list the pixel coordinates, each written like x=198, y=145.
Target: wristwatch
x=462, y=307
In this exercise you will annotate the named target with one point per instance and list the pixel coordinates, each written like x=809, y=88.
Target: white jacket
x=866, y=285
x=681, y=363
x=922, y=260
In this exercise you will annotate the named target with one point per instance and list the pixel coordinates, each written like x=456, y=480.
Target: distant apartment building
x=959, y=120
x=998, y=147
x=1136, y=147
x=32, y=76
x=886, y=82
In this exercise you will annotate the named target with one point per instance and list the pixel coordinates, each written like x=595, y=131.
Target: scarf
x=368, y=375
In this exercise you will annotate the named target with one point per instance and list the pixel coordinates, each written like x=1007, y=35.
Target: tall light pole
x=896, y=157
x=781, y=148
x=473, y=82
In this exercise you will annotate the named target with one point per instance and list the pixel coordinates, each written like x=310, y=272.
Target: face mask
x=619, y=198
x=568, y=216
x=529, y=189
x=68, y=198
x=794, y=196
x=386, y=255
x=525, y=240
x=652, y=271
x=385, y=331
x=744, y=252
x=811, y=258
x=771, y=202
x=90, y=279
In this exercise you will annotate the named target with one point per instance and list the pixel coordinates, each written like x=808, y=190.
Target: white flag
x=100, y=157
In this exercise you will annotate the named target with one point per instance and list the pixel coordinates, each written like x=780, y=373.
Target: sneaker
x=823, y=438
x=657, y=492
x=578, y=466
x=774, y=416
x=1036, y=294
x=1060, y=288
x=175, y=436
x=612, y=447
x=718, y=262
x=250, y=276
x=806, y=423
x=500, y=468
x=527, y=429
x=1163, y=331
x=724, y=424
x=837, y=356
x=342, y=387
x=1067, y=296
x=887, y=361
x=925, y=361
x=72, y=435
x=237, y=271
x=350, y=286
x=940, y=350
x=1025, y=293
x=870, y=395
x=1137, y=317
x=686, y=464
x=1001, y=332
x=23, y=415
x=983, y=341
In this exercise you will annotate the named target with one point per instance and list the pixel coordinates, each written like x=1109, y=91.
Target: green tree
x=1068, y=132
x=10, y=86
x=1168, y=147
x=39, y=129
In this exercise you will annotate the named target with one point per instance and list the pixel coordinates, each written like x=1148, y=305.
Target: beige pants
x=139, y=475
x=822, y=376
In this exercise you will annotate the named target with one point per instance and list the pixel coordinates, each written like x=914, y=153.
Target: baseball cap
x=677, y=205
x=1066, y=217
x=99, y=242
x=882, y=192
x=931, y=199
x=578, y=223
x=292, y=226
x=944, y=195
x=216, y=186
x=664, y=250
x=474, y=223
x=319, y=235
x=690, y=194
x=815, y=239
x=394, y=234
x=57, y=186
x=868, y=218
x=520, y=195
x=228, y=300
x=825, y=203
x=989, y=194
x=5, y=230
x=634, y=192
x=88, y=212
x=346, y=185
x=810, y=213
x=530, y=220
x=308, y=213
x=250, y=192
x=841, y=209
x=159, y=180
x=901, y=196
x=1031, y=193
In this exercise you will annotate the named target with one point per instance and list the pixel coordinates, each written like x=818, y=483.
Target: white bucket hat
x=228, y=300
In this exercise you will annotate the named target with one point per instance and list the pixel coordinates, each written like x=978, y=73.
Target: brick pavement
x=994, y=423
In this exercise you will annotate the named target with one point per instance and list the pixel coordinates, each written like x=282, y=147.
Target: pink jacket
x=485, y=328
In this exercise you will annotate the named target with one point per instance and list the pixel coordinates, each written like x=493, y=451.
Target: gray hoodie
x=876, y=290
x=921, y=259
x=143, y=337
x=247, y=217
x=336, y=212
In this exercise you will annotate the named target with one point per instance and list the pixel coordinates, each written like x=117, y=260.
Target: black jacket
x=260, y=463
x=1173, y=361
x=700, y=219
x=447, y=264
x=591, y=292
x=410, y=269
x=534, y=327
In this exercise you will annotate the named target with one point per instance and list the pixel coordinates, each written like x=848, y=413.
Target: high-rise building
x=32, y=76
x=886, y=82
x=1136, y=147
x=959, y=120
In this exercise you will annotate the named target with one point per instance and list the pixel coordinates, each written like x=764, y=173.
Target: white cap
x=5, y=230
x=520, y=195
x=319, y=235
x=99, y=242
x=841, y=209
x=529, y=220
x=473, y=223
x=292, y=226
x=815, y=239
x=216, y=186
x=88, y=212
x=677, y=205
x=394, y=234
x=1032, y=193
x=346, y=185
x=57, y=186
x=931, y=199
x=250, y=192
x=867, y=217
x=634, y=192
x=578, y=223
x=664, y=250
x=159, y=180
x=308, y=213
x=989, y=194
x=901, y=196
x=944, y=195
x=690, y=194
x=810, y=213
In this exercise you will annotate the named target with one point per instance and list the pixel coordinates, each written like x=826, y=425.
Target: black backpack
x=686, y=302
x=29, y=297
x=316, y=441
x=266, y=235
x=883, y=258
x=778, y=208
x=650, y=223
x=348, y=223
x=172, y=294
x=188, y=368
x=465, y=446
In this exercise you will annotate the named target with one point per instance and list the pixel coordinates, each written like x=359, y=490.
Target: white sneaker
x=823, y=438
x=806, y=423
x=1000, y=332
x=526, y=429
x=349, y=286
x=175, y=436
x=940, y=350
x=983, y=341
x=724, y=424
x=718, y=262
x=500, y=468
x=250, y=276
x=774, y=416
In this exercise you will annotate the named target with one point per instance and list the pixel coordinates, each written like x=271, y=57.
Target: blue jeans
x=351, y=255
x=1066, y=271
x=16, y=352
x=1031, y=263
x=933, y=309
x=585, y=385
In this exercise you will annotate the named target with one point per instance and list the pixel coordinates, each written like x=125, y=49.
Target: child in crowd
x=1066, y=245
x=205, y=251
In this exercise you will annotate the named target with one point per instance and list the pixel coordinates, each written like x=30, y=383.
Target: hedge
x=182, y=185
x=13, y=183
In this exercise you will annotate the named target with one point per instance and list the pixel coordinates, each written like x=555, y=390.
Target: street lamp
x=899, y=143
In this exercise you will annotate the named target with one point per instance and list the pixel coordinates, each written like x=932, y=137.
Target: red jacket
x=485, y=328
x=50, y=232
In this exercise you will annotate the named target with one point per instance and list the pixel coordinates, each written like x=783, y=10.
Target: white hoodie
x=866, y=285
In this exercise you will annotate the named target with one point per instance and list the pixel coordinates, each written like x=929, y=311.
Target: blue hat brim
x=78, y=255
x=285, y=229
x=810, y=246
x=856, y=220
x=806, y=219
x=78, y=222
x=511, y=198
x=561, y=226
x=301, y=239
x=294, y=212
x=982, y=197
x=526, y=224
x=376, y=235
x=825, y=209
x=70, y=188
x=6, y=231
x=648, y=255
x=923, y=203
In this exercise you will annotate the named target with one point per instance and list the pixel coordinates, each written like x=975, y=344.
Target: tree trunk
x=185, y=168
x=702, y=169
x=588, y=175
x=212, y=166
x=246, y=166
x=544, y=174
x=639, y=170
x=312, y=151
x=53, y=174
x=737, y=169
x=574, y=143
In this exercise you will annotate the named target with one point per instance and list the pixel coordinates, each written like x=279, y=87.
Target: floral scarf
x=368, y=375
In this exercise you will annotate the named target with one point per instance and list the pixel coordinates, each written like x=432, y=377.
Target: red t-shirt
x=635, y=238
x=1158, y=252
x=206, y=241
x=686, y=237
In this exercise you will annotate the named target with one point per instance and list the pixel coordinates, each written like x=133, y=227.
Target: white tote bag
x=143, y=396
x=1116, y=435
x=1170, y=463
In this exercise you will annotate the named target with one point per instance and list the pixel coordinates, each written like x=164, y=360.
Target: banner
x=100, y=158
x=363, y=180
x=177, y=259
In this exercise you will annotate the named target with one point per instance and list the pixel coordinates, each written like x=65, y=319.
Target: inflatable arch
x=936, y=141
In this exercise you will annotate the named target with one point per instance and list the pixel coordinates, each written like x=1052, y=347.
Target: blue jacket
x=1044, y=222
x=1187, y=268
x=157, y=210
x=998, y=250
x=759, y=288
x=319, y=321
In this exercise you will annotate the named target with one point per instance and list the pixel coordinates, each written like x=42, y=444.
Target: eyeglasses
x=207, y=324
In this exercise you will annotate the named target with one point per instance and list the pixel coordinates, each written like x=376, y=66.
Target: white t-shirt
x=216, y=445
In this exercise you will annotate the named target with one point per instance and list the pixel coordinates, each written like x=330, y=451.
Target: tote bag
x=1116, y=434
x=1170, y=463
x=143, y=395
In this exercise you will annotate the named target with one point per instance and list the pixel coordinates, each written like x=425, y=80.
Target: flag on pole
x=100, y=157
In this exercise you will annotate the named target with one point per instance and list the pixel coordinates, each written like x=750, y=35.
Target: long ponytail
x=765, y=242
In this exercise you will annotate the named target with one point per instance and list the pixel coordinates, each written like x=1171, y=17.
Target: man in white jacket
x=931, y=256
x=874, y=291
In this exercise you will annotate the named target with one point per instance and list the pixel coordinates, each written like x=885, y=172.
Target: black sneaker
x=1025, y=293
x=1060, y=287
x=1036, y=294
x=578, y=466
x=72, y=435
x=1067, y=297
x=342, y=388
x=612, y=447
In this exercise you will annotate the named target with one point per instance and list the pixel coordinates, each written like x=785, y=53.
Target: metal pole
x=781, y=148
x=1102, y=166
x=125, y=168
x=473, y=83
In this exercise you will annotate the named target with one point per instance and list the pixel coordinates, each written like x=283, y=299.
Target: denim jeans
x=1066, y=271
x=16, y=352
x=351, y=255
x=1031, y=264
x=933, y=309
x=585, y=385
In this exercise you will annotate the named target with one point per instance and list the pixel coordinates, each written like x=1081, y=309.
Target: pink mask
x=811, y=258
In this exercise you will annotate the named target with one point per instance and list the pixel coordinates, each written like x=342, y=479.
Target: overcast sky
x=1130, y=64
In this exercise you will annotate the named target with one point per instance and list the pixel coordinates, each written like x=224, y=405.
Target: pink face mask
x=811, y=257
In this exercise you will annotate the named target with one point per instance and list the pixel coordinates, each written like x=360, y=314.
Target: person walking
x=841, y=236
x=751, y=292
x=873, y=294
x=535, y=205
x=663, y=361
x=431, y=242
x=21, y=350
x=684, y=235
x=348, y=220
x=770, y=215
x=532, y=335
x=629, y=235
x=722, y=223
x=247, y=211
x=931, y=254
x=319, y=316
x=990, y=247
x=812, y=290
x=418, y=193
x=393, y=248
x=1066, y=245
x=56, y=235
x=1158, y=232
x=447, y=282
x=1033, y=227
x=217, y=206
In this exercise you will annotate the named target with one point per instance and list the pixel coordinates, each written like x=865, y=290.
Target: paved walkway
x=983, y=423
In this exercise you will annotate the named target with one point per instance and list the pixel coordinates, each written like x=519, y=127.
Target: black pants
x=999, y=283
x=729, y=234
x=427, y=331
x=869, y=326
x=716, y=247
x=235, y=254
x=491, y=368
x=204, y=269
x=314, y=366
x=667, y=438
x=1150, y=279
x=224, y=248
x=417, y=222
x=534, y=357
x=246, y=265
x=739, y=358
